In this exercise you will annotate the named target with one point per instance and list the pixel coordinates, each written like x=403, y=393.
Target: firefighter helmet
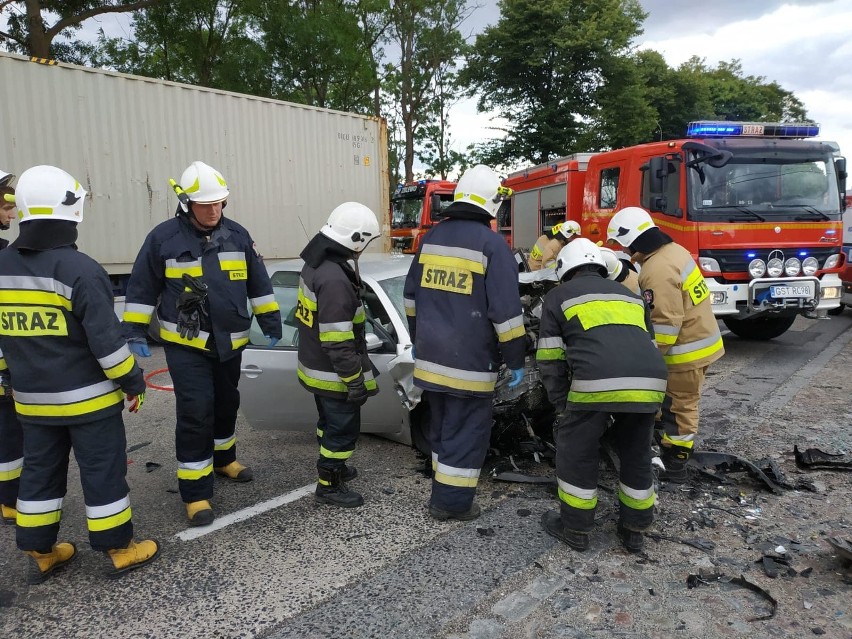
x=579, y=253
x=481, y=187
x=6, y=178
x=567, y=229
x=203, y=184
x=613, y=264
x=628, y=224
x=352, y=225
x=48, y=193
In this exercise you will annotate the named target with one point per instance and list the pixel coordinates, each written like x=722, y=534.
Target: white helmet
x=628, y=224
x=577, y=253
x=6, y=178
x=48, y=193
x=352, y=225
x=613, y=263
x=203, y=184
x=481, y=187
x=567, y=229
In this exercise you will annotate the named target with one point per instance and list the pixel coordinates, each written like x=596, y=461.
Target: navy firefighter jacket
x=226, y=261
x=463, y=308
x=60, y=339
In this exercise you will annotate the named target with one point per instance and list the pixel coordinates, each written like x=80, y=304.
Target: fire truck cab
x=415, y=208
x=758, y=205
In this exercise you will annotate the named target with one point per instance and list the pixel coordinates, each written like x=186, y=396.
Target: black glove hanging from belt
x=356, y=391
x=191, y=307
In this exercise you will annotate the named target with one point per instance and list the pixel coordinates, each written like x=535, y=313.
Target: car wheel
x=838, y=310
x=760, y=328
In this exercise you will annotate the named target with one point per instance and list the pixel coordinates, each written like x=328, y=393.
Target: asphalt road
x=276, y=564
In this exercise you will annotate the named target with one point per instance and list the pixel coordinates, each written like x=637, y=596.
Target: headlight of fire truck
x=709, y=265
x=756, y=268
x=832, y=261
x=810, y=265
x=775, y=267
x=792, y=267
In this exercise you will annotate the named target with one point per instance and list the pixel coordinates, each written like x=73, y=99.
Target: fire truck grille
x=736, y=261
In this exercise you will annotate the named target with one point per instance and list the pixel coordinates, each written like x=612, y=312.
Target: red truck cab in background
x=415, y=208
x=758, y=205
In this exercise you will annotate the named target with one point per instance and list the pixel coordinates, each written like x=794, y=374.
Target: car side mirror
x=374, y=342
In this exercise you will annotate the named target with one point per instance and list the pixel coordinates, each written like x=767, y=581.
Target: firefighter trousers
x=206, y=402
x=679, y=413
x=338, y=428
x=11, y=453
x=578, y=437
x=99, y=448
x=460, y=432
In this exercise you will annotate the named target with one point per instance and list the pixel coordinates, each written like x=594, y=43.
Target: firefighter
x=333, y=362
x=202, y=267
x=464, y=313
x=686, y=330
x=70, y=370
x=619, y=270
x=11, y=435
x=548, y=245
x=597, y=360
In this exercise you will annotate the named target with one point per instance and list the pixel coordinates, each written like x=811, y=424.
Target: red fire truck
x=758, y=205
x=846, y=273
x=415, y=208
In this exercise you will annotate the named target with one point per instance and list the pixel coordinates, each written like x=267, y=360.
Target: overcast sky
x=804, y=45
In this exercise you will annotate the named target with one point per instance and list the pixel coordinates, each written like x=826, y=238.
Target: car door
x=272, y=397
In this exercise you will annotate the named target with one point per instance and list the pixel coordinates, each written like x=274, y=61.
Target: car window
x=285, y=287
x=393, y=287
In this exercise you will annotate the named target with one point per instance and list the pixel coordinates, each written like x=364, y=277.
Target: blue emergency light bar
x=713, y=129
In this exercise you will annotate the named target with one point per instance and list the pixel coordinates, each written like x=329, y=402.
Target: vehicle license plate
x=791, y=290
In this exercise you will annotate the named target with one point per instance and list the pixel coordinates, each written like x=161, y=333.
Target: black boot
x=674, y=459
x=349, y=473
x=551, y=521
x=632, y=540
x=331, y=489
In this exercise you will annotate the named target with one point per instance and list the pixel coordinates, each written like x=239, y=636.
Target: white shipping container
x=287, y=165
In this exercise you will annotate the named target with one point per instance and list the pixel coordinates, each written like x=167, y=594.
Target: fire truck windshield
x=406, y=212
x=757, y=186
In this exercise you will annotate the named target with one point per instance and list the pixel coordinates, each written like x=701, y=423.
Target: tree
x=426, y=34
x=29, y=33
x=322, y=52
x=204, y=42
x=543, y=67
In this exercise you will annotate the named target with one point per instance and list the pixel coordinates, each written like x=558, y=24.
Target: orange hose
x=159, y=371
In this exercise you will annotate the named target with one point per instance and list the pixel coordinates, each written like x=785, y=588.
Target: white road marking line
x=246, y=513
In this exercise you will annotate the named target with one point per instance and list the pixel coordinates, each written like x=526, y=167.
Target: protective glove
x=139, y=347
x=356, y=391
x=191, y=307
x=272, y=340
x=136, y=402
x=517, y=377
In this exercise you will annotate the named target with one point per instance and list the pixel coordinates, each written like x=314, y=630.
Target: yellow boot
x=235, y=471
x=135, y=555
x=43, y=564
x=9, y=514
x=200, y=513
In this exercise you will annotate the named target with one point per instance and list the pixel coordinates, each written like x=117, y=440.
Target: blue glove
x=139, y=347
x=413, y=356
x=272, y=340
x=517, y=377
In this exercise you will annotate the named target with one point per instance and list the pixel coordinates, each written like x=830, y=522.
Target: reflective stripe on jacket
x=332, y=344
x=463, y=308
x=60, y=338
x=544, y=252
x=687, y=333
x=230, y=267
x=597, y=336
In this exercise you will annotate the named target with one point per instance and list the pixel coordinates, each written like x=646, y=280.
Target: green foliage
x=544, y=68
x=29, y=31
